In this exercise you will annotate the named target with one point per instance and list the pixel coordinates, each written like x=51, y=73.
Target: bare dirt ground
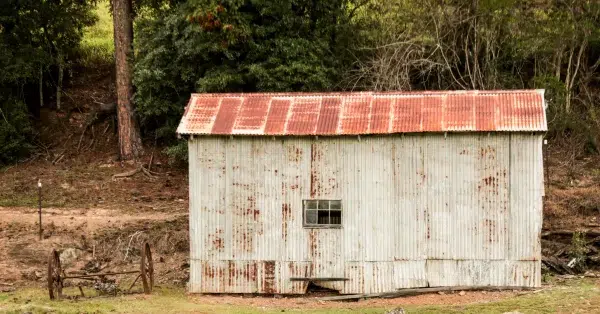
x=105, y=237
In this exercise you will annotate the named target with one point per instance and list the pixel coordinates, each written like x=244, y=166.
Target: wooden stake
x=40, y=206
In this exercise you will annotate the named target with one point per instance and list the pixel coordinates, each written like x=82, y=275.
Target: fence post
x=40, y=206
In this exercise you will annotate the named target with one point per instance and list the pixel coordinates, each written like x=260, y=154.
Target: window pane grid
x=322, y=213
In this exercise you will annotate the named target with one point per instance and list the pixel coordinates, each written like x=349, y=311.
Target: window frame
x=329, y=210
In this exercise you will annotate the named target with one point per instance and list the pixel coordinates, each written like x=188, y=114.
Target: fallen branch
x=414, y=291
x=142, y=169
x=150, y=162
x=126, y=174
x=106, y=128
x=589, y=232
x=6, y=284
x=129, y=244
x=81, y=137
x=557, y=265
x=58, y=159
x=147, y=172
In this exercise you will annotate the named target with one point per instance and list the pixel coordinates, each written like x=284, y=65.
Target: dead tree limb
x=141, y=168
x=150, y=162
x=414, y=291
x=126, y=174
x=589, y=232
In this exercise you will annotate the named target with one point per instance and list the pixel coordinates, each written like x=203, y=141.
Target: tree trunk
x=41, y=83
x=130, y=143
x=59, y=84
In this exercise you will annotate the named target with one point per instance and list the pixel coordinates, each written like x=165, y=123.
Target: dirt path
x=86, y=220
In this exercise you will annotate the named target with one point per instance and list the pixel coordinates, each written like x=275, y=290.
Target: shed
x=364, y=192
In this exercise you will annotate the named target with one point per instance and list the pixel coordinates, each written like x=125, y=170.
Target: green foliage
x=37, y=30
x=33, y=34
x=97, y=45
x=15, y=130
x=178, y=153
x=236, y=46
x=489, y=44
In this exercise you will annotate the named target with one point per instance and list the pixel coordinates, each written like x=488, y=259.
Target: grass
x=577, y=296
x=97, y=46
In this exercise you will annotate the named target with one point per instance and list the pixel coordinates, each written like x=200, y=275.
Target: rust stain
x=490, y=226
x=242, y=185
x=216, y=241
x=490, y=181
x=248, y=238
x=208, y=271
x=231, y=272
x=487, y=152
x=221, y=273
x=286, y=213
x=269, y=277
x=315, y=156
x=251, y=272
x=256, y=214
x=312, y=243
x=294, y=154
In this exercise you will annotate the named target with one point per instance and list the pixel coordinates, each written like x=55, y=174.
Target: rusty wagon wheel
x=147, y=269
x=55, y=281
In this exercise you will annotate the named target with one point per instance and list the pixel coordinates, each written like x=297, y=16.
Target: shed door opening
x=322, y=213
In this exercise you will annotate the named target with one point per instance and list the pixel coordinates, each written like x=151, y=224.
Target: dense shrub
x=15, y=130
x=236, y=46
x=35, y=37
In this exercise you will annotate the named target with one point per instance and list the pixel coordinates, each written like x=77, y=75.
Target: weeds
x=578, y=251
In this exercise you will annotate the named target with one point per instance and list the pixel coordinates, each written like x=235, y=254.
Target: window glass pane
x=310, y=204
x=324, y=217
x=323, y=204
x=335, y=217
x=335, y=204
x=311, y=217
x=322, y=213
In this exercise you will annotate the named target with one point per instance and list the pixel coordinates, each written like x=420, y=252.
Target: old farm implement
x=57, y=276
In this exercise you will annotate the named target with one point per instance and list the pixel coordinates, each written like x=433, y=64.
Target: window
x=322, y=213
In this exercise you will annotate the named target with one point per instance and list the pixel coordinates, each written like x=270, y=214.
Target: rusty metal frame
x=57, y=275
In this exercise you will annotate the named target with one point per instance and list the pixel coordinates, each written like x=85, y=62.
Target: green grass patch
x=17, y=200
x=97, y=46
x=573, y=297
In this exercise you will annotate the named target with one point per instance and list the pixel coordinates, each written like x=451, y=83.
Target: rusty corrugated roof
x=356, y=113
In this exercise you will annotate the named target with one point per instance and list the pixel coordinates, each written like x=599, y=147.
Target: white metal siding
x=418, y=210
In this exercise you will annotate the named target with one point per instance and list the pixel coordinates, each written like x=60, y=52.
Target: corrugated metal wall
x=418, y=210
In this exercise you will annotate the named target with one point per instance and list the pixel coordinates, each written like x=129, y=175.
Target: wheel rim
x=147, y=269
x=54, y=275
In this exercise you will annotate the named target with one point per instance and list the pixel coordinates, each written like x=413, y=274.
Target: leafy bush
x=15, y=130
x=178, y=153
x=35, y=37
x=235, y=46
